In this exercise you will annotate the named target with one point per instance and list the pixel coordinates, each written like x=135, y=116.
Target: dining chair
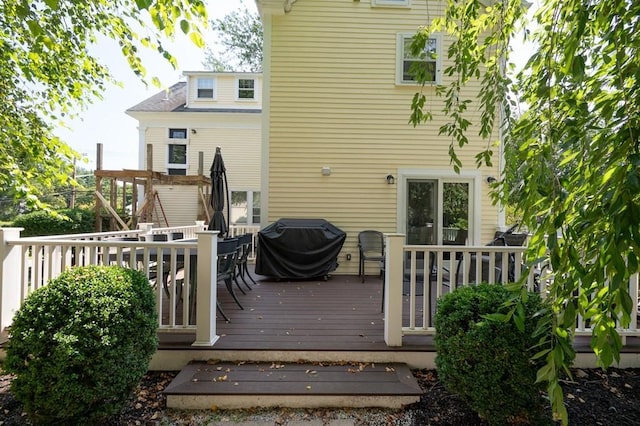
x=227, y=258
x=370, y=249
x=242, y=270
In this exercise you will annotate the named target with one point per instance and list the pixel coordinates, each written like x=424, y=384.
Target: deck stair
x=225, y=385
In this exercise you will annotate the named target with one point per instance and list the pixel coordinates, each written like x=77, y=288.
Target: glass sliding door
x=438, y=211
x=422, y=202
x=455, y=213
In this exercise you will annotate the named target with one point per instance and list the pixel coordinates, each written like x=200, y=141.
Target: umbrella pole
x=226, y=185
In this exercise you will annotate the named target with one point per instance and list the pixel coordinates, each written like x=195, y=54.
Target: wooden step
x=226, y=385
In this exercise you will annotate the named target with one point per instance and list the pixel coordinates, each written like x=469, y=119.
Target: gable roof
x=175, y=97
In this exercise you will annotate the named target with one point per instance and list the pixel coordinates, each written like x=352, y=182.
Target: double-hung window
x=427, y=63
x=177, y=152
x=206, y=88
x=246, y=88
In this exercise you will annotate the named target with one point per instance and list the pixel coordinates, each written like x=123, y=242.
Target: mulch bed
x=594, y=397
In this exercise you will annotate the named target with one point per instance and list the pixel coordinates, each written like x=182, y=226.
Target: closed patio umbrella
x=219, y=192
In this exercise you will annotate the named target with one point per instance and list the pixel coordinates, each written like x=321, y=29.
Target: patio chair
x=371, y=249
x=242, y=270
x=506, y=238
x=227, y=257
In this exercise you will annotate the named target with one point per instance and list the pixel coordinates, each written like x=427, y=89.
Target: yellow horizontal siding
x=225, y=92
x=180, y=204
x=241, y=154
x=240, y=143
x=334, y=102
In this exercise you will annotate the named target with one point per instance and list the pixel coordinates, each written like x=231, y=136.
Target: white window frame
x=400, y=59
x=474, y=179
x=203, y=83
x=249, y=213
x=171, y=141
x=390, y=3
x=238, y=89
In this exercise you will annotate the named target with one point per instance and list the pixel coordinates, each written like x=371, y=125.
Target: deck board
x=339, y=314
x=265, y=384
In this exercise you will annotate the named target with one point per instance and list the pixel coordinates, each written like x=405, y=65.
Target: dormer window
x=246, y=88
x=206, y=88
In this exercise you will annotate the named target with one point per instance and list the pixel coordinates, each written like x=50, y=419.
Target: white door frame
x=473, y=178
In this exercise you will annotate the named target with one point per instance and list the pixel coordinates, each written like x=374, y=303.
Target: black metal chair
x=371, y=249
x=227, y=257
x=242, y=270
x=506, y=238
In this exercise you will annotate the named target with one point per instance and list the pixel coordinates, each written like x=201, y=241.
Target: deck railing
x=173, y=267
x=422, y=274
x=237, y=230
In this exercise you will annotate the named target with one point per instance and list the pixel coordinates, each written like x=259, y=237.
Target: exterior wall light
x=391, y=179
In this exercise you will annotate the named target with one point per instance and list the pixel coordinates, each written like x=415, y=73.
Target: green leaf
x=197, y=39
x=184, y=26
x=144, y=4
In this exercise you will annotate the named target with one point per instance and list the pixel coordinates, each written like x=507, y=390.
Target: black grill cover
x=299, y=248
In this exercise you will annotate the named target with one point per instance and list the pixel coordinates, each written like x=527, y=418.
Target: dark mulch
x=594, y=397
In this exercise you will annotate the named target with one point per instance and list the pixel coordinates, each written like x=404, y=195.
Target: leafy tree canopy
x=572, y=159
x=47, y=73
x=240, y=33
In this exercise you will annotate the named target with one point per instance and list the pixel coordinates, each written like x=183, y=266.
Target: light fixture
x=326, y=171
x=193, y=131
x=391, y=179
x=491, y=179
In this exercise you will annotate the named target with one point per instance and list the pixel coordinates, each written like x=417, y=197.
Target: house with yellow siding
x=184, y=124
x=336, y=138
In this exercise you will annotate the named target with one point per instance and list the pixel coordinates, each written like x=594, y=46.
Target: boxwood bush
x=488, y=362
x=66, y=221
x=79, y=345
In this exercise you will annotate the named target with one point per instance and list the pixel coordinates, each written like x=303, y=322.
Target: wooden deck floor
x=339, y=314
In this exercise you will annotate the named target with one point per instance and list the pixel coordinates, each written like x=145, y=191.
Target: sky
x=105, y=120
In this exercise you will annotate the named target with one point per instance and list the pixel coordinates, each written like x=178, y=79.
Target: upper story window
x=246, y=88
x=177, y=159
x=177, y=152
x=177, y=133
x=427, y=63
x=390, y=3
x=206, y=88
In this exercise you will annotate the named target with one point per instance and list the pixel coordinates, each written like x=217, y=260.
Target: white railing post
x=146, y=227
x=10, y=276
x=206, y=296
x=393, y=275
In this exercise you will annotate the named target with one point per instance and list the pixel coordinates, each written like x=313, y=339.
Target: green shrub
x=488, y=362
x=66, y=221
x=79, y=345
